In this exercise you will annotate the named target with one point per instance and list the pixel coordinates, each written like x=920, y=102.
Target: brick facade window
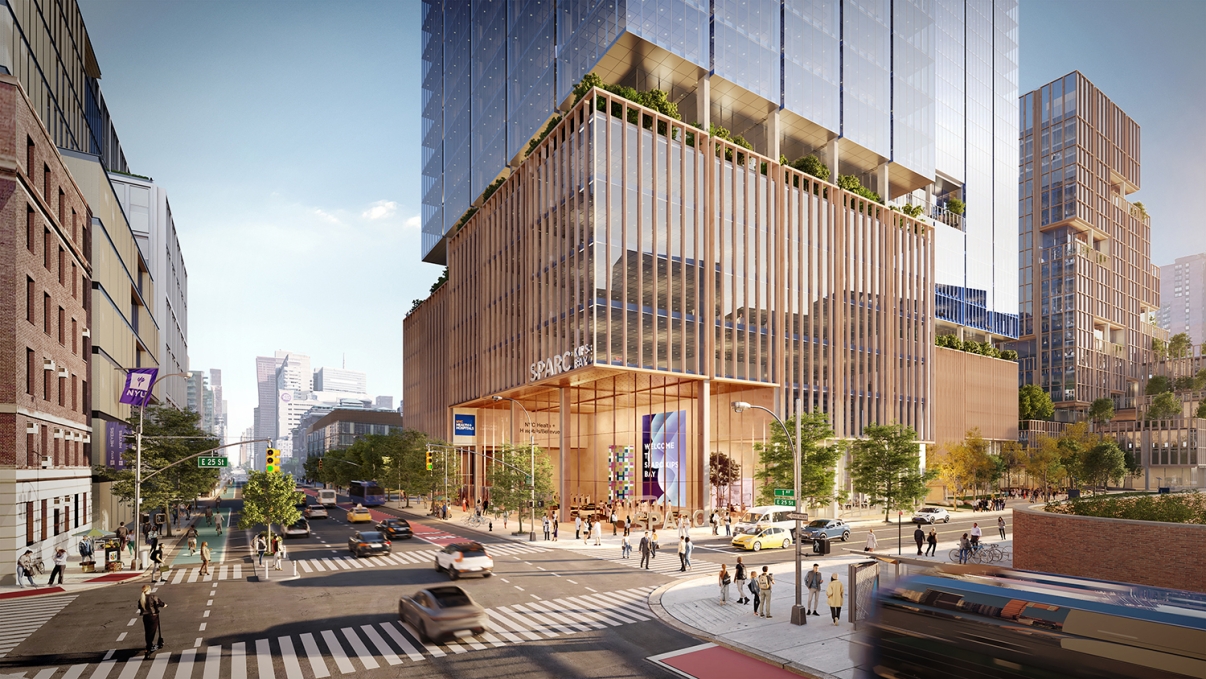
x=74, y=392
x=62, y=326
x=75, y=226
x=31, y=299
x=46, y=248
x=43, y=517
x=46, y=311
x=63, y=391
x=29, y=371
x=86, y=401
x=75, y=334
x=46, y=182
x=31, y=223
x=62, y=206
x=47, y=388
x=74, y=282
x=30, y=155
x=29, y=523
x=62, y=266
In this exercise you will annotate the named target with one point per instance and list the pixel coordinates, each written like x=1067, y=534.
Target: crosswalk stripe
x=305, y=565
x=238, y=660
x=238, y=571
x=129, y=670
x=402, y=642
x=502, y=628
x=184, y=666
x=535, y=622
x=581, y=609
x=103, y=669
x=341, y=659
x=608, y=611
x=405, y=558
x=315, y=563
x=515, y=623
x=263, y=658
x=314, y=655
x=559, y=616
x=615, y=605
x=208, y=577
x=386, y=652
x=493, y=639
x=46, y=673
x=213, y=662
x=180, y=573
x=75, y=671
x=434, y=650
x=359, y=648
x=289, y=658
x=355, y=563
x=192, y=576
x=474, y=643
x=159, y=666
x=455, y=647
x=223, y=571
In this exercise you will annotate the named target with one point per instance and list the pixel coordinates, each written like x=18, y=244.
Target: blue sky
x=287, y=137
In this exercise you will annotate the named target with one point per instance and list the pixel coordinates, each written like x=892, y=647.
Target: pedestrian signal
x=272, y=461
x=429, y=460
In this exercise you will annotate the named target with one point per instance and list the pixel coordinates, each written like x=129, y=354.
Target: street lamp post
x=799, y=616
x=532, y=478
x=142, y=409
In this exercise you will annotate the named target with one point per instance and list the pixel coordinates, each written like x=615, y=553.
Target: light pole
x=532, y=478
x=142, y=409
x=799, y=616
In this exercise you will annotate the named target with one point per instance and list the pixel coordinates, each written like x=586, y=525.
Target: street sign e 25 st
x=785, y=502
x=213, y=461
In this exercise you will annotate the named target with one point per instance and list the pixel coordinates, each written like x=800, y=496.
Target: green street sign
x=785, y=492
x=213, y=461
x=784, y=502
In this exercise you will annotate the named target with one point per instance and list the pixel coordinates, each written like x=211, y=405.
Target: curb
x=655, y=604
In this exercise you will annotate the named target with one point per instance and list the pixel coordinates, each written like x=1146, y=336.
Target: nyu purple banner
x=662, y=441
x=138, y=386
x=115, y=444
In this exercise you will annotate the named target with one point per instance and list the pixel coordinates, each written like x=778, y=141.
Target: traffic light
x=320, y=464
x=429, y=460
x=272, y=461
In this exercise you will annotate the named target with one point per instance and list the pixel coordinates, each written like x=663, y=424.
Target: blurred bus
x=366, y=493
x=1013, y=624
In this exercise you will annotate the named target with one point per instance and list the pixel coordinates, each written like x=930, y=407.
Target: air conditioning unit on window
x=63, y=372
x=46, y=463
x=31, y=428
x=87, y=332
x=58, y=433
x=87, y=438
x=48, y=364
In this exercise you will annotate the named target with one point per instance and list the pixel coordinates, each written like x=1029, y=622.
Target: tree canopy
x=776, y=460
x=269, y=498
x=967, y=463
x=1034, y=403
x=508, y=472
x=886, y=466
x=1101, y=410
x=1165, y=405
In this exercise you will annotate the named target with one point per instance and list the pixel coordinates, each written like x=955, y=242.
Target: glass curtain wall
x=811, y=61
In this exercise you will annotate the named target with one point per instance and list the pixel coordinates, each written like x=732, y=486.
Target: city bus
x=366, y=493
x=999, y=623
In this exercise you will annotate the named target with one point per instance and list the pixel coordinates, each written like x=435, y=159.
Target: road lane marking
x=314, y=656
x=386, y=652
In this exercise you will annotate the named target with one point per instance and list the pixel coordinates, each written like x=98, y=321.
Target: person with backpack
x=149, y=606
x=834, y=595
x=739, y=577
x=753, y=587
x=812, y=580
x=766, y=580
x=725, y=580
x=261, y=546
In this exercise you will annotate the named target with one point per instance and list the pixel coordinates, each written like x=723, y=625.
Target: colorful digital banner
x=663, y=444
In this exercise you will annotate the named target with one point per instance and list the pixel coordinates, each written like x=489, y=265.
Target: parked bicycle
x=474, y=520
x=980, y=553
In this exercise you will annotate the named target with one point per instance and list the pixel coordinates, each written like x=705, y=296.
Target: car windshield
x=315, y=507
x=471, y=548
x=396, y=523
x=448, y=597
x=753, y=517
x=819, y=523
x=927, y=510
x=370, y=536
x=300, y=523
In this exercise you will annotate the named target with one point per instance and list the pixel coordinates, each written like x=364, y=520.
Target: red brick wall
x=1145, y=552
x=23, y=188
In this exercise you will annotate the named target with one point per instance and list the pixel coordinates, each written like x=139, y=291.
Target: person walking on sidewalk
x=60, y=566
x=281, y=555
x=739, y=578
x=690, y=549
x=577, y=527
x=156, y=562
x=872, y=541
x=715, y=523
x=725, y=580
x=1001, y=526
x=653, y=545
x=25, y=569
x=931, y=546
x=682, y=555
x=919, y=538
x=645, y=548
x=261, y=546
x=149, y=606
x=586, y=533
x=205, y=555
x=627, y=524
x=614, y=521
x=192, y=540
x=625, y=547
x=976, y=534
x=753, y=587
x=728, y=524
x=813, y=580
x=556, y=523
x=964, y=548
x=597, y=530
x=546, y=528
x=765, y=582
x=834, y=594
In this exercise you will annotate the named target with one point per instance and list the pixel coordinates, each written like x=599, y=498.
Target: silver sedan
x=438, y=612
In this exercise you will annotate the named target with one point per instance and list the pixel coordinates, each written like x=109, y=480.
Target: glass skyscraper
x=916, y=98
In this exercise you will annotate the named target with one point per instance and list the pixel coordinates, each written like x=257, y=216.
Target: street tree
x=407, y=468
x=886, y=466
x=508, y=472
x=1101, y=410
x=443, y=479
x=1073, y=446
x=1034, y=403
x=310, y=467
x=723, y=472
x=168, y=436
x=776, y=461
x=1013, y=455
x=964, y=462
x=1104, y=462
x=269, y=498
x=1043, y=461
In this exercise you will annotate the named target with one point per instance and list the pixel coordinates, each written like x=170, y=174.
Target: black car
x=396, y=529
x=367, y=543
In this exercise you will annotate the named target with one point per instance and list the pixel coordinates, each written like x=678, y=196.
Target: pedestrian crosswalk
x=177, y=576
x=360, y=648
x=422, y=557
x=23, y=617
x=666, y=562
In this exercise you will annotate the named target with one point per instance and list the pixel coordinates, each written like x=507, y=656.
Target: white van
x=756, y=518
x=326, y=497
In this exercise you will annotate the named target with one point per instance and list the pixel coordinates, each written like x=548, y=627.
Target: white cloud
x=413, y=222
x=380, y=210
x=325, y=216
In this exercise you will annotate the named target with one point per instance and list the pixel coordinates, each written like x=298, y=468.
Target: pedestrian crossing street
x=348, y=650
x=666, y=563
x=224, y=572
x=423, y=557
x=23, y=617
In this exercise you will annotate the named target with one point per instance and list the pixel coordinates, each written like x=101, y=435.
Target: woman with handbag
x=724, y=585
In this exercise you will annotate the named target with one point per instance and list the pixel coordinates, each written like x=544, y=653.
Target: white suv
x=931, y=515
x=464, y=558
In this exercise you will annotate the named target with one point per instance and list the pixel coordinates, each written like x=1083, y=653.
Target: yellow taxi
x=359, y=514
x=759, y=539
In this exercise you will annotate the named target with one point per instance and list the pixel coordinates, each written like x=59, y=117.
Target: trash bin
x=820, y=546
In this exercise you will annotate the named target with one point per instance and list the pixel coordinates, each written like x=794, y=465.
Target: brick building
x=45, y=316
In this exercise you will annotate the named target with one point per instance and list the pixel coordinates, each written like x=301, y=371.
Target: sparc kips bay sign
x=559, y=363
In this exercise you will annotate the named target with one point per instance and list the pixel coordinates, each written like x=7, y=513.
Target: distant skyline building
x=339, y=379
x=384, y=403
x=1088, y=289
x=1183, y=297
x=146, y=206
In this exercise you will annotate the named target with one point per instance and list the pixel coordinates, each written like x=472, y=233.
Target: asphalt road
x=566, y=615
